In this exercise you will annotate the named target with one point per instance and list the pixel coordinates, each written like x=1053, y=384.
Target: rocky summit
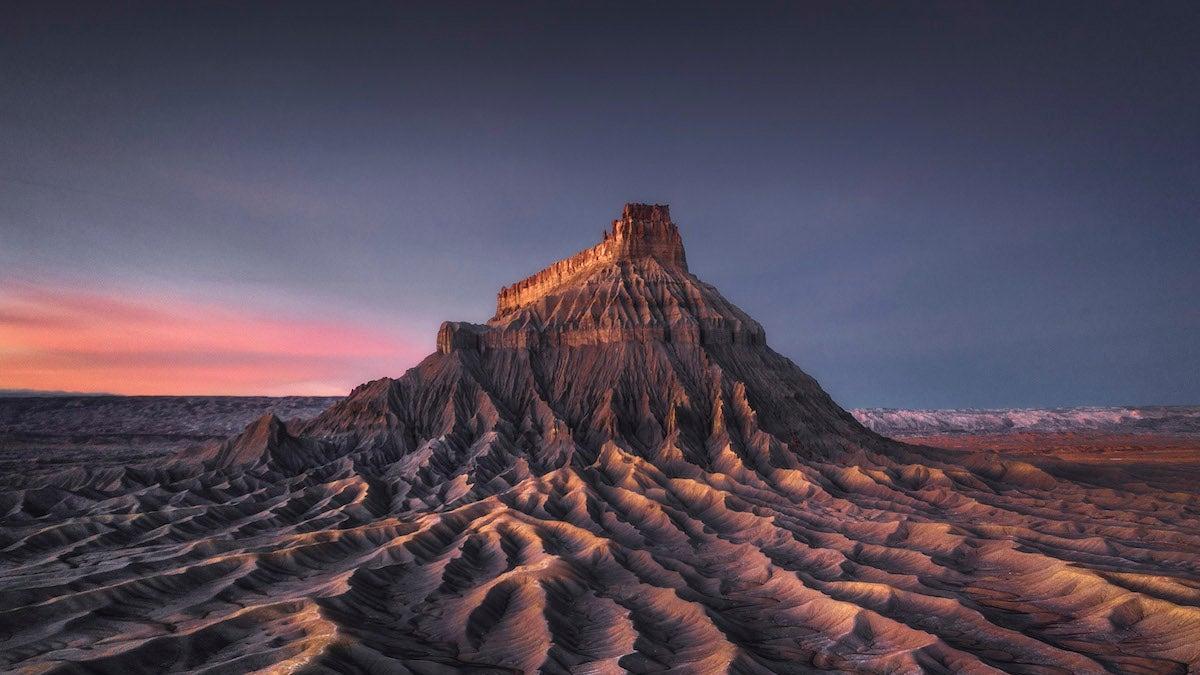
x=615, y=473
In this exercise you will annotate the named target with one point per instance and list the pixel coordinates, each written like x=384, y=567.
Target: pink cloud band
x=83, y=340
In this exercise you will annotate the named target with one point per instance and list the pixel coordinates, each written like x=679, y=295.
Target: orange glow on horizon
x=88, y=341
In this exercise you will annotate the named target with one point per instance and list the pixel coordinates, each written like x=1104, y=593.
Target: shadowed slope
x=614, y=473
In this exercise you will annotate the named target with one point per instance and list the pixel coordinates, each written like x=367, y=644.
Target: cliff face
x=633, y=286
x=643, y=231
x=614, y=474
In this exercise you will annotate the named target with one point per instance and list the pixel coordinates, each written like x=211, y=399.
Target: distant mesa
x=40, y=393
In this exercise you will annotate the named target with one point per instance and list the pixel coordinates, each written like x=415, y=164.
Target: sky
x=939, y=204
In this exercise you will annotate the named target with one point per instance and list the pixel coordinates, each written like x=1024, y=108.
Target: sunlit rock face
x=615, y=473
x=643, y=232
x=634, y=286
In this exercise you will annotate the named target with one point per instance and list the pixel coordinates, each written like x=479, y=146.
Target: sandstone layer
x=615, y=473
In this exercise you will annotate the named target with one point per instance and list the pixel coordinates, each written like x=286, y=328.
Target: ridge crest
x=642, y=231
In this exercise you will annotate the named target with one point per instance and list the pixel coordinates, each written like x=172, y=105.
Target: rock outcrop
x=633, y=286
x=458, y=335
x=643, y=231
x=266, y=442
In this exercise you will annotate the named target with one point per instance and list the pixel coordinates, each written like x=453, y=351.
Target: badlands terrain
x=44, y=434
x=614, y=473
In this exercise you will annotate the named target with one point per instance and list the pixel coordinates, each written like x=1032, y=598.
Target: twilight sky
x=925, y=204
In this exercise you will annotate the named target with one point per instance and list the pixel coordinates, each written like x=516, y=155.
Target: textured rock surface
x=643, y=231
x=614, y=473
x=634, y=286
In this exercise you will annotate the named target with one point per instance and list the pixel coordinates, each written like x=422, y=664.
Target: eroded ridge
x=640, y=506
x=632, y=287
x=642, y=231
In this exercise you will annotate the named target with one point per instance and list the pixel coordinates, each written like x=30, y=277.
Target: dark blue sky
x=925, y=204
